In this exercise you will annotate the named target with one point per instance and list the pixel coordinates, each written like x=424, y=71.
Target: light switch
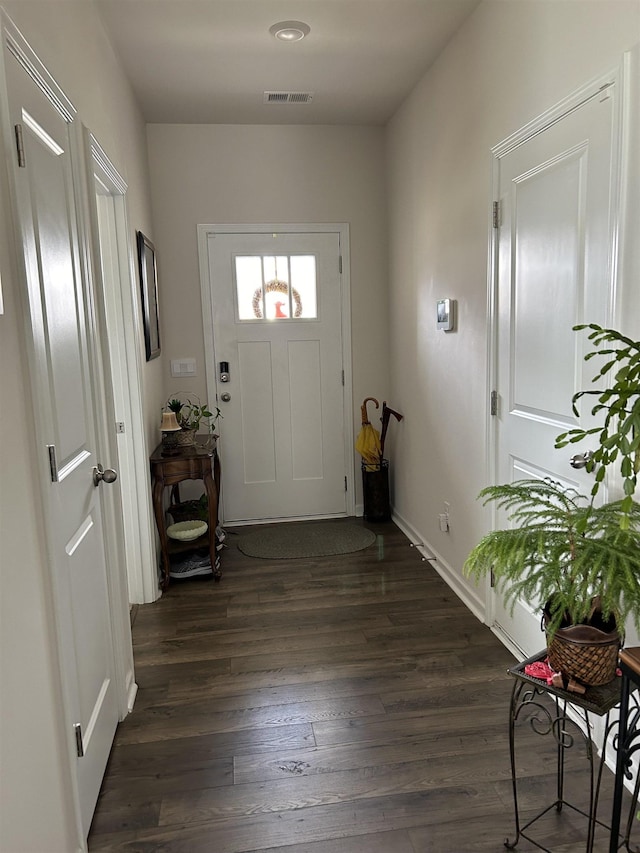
x=183, y=367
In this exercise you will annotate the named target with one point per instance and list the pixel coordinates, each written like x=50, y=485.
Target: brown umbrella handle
x=363, y=408
x=386, y=417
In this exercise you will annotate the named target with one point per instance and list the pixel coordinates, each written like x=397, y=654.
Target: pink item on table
x=540, y=669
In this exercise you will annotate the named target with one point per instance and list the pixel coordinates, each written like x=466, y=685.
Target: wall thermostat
x=444, y=314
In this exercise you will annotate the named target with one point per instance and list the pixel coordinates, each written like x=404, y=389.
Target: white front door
x=62, y=359
x=276, y=304
x=554, y=265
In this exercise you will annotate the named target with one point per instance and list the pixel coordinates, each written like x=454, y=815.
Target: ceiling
x=210, y=61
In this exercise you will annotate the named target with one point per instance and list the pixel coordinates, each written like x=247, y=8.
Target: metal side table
x=628, y=744
x=552, y=719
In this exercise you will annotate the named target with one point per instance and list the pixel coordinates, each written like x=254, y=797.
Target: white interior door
x=277, y=321
x=62, y=358
x=555, y=252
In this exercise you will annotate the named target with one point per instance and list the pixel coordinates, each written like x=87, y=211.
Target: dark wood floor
x=338, y=705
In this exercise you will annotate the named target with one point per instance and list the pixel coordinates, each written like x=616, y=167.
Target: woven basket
x=585, y=653
x=186, y=437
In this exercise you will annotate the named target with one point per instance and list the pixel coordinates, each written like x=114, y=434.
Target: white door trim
x=121, y=315
x=613, y=82
x=340, y=228
x=88, y=250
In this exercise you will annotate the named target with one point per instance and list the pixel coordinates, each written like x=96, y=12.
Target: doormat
x=292, y=541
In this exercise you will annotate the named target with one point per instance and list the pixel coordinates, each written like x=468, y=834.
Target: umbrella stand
x=375, y=481
x=375, y=477
x=375, y=491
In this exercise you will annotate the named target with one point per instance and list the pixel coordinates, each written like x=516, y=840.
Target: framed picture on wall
x=149, y=291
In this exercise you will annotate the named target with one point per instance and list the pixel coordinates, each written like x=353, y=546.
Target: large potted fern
x=578, y=560
x=619, y=436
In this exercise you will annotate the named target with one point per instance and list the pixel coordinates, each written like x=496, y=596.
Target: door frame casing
x=616, y=81
x=139, y=556
x=342, y=230
x=82, y=167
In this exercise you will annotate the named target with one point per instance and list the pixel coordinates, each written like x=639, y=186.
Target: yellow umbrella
x=368, y=441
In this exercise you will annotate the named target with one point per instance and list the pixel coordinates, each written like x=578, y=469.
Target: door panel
x=256, y=405
x=554, y=271
x=546, y=288
x=61, y=371
x=282, y=431
x=306, y=409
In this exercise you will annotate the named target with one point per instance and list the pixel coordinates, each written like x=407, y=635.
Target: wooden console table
x=190, y=463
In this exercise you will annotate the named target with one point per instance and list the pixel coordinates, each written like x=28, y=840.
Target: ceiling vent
x=288, y=97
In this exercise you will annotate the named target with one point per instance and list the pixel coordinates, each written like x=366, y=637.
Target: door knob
x=581, y=460
x=225, y=397
x=102, y=475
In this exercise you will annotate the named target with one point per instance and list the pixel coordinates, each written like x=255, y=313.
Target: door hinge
x=494, y=403
x=340, y=264
x=77, y=727
x=345, y=484
x=496, y=214
x=343, y=378
x=20, y=146
x=53, y=464
x=119, y=427
x=493, y=578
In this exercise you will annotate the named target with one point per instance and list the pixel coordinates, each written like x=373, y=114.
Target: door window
x=275, y=287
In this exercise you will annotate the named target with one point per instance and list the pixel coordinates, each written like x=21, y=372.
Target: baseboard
x=507, y=642
x=131, y=696
x=446, y=572
x=255, y=521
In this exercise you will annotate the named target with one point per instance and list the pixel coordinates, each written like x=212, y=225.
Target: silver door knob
x=101, y=474
x=581, y=460
x=225, y=397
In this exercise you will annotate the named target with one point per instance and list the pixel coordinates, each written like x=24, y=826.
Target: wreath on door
x=275, y=286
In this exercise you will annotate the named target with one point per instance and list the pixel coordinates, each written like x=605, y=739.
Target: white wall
x=251, y=174
x=35, y=807
x=509, y=62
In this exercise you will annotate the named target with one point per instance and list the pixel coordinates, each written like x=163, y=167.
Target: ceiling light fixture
x=290, y=30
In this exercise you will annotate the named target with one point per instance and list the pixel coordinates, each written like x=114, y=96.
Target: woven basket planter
x=186, y=438
x=585, y=653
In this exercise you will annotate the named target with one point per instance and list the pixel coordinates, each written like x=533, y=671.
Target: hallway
x=340, y=705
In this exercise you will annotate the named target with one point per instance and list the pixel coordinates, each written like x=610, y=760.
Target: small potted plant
x=192, y=416
x=579, y=560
